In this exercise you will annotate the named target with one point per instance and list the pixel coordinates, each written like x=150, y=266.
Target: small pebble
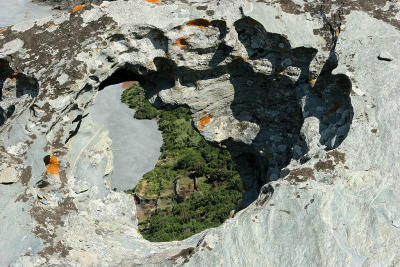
x=386, y=56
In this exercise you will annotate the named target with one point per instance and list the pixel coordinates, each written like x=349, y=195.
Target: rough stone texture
x=312, y=107
x=66, y=4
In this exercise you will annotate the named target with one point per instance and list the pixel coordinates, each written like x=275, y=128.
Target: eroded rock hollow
x=282, y=86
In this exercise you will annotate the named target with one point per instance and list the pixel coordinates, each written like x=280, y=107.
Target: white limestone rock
x=265, y=84
x=8, y=176
x=385, y=55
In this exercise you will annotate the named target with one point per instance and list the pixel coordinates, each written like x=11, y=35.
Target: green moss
x=184, y=155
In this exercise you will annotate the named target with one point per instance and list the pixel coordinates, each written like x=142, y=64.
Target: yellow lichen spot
x=313, y=80
x=182, y=42
x=201, y=23
x=156, y=2
x=77, y=8
x=232, y=213
x=204, y=121
x=138, y=232
x=52, y=167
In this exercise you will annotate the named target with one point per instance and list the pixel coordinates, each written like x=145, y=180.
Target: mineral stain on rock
x=201, y=23
x=182, y=42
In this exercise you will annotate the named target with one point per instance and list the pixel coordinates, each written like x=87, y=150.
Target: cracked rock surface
x=295, y=89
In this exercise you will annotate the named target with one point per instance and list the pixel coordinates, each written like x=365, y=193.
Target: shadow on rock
x=268, y=93
x=329, y=101
x=19, y=86
x=271, y=98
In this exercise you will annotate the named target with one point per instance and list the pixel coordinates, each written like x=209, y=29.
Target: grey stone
x=8, y=175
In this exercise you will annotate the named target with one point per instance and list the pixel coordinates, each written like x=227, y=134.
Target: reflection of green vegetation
x=134, y=98
x=188, y=157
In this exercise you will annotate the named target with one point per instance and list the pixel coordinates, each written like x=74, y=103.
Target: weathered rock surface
x=295, y=89
x=21, y=10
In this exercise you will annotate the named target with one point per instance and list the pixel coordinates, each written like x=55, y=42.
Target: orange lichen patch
x=204, y=121
x=53, y=25
x=13, y=79
x=126, y=85
x=337, y=32
x=103, y=6
x=77, y=8
x=232, y=213
x=313, y=80
x=52, y=167
x=182, y=42
x=2, y=30
x=156, y=2
x=242, y=58
x=201, y=23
